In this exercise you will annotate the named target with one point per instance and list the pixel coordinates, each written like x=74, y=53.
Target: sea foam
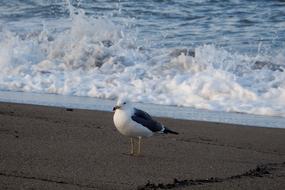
x=98, y=57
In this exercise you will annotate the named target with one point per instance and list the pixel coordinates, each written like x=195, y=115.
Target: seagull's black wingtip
x=170, y=131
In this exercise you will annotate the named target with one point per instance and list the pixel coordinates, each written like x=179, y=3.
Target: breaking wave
x=83, y=55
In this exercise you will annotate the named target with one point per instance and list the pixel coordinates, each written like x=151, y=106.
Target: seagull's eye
x=124, y=103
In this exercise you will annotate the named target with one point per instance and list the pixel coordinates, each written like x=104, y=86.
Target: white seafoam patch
x=96, y=57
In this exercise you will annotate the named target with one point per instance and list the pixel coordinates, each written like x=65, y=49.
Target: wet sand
x=57, y=148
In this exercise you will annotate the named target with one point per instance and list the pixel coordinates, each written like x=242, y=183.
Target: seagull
x=136, y=124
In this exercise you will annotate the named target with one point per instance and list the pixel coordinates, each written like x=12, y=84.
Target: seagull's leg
x=132, y=146
x=139, y=146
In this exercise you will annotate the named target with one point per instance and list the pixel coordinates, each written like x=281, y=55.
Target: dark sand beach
x=57, y=148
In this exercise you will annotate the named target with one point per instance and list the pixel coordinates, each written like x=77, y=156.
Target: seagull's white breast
x=126, y=126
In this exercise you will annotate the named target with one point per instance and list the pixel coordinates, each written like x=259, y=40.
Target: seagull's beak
x=116, y=107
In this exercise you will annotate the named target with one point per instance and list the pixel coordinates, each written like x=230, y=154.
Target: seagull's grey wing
x=146, y=120
x=142, y=114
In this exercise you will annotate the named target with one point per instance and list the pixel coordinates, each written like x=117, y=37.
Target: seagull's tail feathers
x=166, y=130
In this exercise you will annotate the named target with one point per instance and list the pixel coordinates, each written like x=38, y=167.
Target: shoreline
x=46, y=147
x=174, y=112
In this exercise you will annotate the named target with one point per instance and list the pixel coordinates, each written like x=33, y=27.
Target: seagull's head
x=122, y=105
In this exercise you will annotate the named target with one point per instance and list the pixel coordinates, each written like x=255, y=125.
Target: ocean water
x=186, y=113
x=205, y=54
